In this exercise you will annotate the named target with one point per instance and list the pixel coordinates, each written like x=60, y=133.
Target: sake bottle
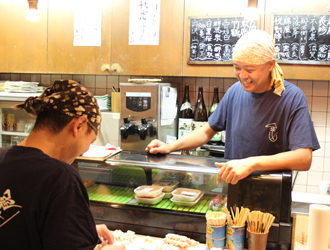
x=200, y=114
x=217, y=138
x=185, y=115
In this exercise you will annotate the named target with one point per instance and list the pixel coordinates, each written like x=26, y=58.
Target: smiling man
x=267, y=121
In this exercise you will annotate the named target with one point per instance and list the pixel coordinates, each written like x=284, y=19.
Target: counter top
x=6, y=96
x=301, y=202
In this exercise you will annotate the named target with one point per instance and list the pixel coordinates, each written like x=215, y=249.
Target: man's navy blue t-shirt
x=264, y=124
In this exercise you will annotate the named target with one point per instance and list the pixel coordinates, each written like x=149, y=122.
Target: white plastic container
x=187, y=203
x=150, y=201
x=148, y=191
x=185, y=194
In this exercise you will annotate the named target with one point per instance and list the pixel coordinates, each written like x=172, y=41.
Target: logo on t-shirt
x=8, y=209
x=272, y=132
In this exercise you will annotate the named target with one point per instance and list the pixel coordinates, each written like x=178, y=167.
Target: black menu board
x=212, y=39
x=302, y=39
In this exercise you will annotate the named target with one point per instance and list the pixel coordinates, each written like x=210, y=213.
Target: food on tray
x=216, y=218
x=186, y=194
x=215, y=203
x=122, y=238
x=175, y=241
x=148, y=239
x=168, y=186
x=150, y=201
x=148, y=191
x=88, y=182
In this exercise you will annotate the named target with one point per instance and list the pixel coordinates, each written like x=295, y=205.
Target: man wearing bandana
x=43, y=201
x=267, y=121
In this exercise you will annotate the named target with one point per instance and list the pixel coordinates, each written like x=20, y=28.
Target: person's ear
x=271, y=65
x=79, y=124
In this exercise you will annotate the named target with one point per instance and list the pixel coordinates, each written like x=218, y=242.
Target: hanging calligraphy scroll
x=302, y=39
x=212, y=39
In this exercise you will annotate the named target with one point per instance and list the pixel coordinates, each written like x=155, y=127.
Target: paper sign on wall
x=144, y=22
x=87, y=23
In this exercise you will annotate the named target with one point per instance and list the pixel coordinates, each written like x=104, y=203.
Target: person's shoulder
x=292, y=89
x=39, y=162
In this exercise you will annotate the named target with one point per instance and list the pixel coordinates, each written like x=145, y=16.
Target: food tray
x=168, y=186
x=148, y=191
x=185, y=194
x=150, y=201
x=187, y=203
x=168, y=195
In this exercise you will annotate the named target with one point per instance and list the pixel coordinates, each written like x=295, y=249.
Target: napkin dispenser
x=267, y=192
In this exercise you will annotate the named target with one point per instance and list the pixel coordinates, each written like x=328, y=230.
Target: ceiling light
x=32, y=14
x=252, y=10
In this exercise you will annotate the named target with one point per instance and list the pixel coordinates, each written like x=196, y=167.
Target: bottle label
x=213, y=107
x=217, y=137
x=185, y=126
x=185, y=105
x=196, y=124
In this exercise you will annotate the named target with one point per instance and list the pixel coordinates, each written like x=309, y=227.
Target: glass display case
x=15, y=124
x=111, y=187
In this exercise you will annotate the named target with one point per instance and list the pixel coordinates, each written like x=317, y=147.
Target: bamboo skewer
x=237, y=219
x=259, y=222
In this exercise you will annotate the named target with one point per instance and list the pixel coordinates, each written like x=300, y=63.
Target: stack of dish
x=21, y=87
x=104, y=101
x=168, y=187
x=186, y=196
x=149, y=194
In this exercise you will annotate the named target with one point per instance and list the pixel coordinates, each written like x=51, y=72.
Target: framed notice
x=302, y=38
x=212, y=39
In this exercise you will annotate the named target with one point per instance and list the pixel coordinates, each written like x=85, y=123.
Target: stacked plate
x=168, y=187
x=21, y=87
x=149, y=194
x=104, y=101
x=186, y=196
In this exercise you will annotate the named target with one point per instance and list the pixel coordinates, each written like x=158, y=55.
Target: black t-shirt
x=43, y=203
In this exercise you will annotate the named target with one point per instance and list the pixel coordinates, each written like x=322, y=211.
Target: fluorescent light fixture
x=32, y=14
x=252, y=12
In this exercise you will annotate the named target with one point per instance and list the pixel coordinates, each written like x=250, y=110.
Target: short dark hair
x=53, y=121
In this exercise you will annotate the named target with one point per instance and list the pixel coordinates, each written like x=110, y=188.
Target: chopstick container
x=257, y=241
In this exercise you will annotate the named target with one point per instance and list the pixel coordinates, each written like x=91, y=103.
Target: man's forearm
x=299, y=159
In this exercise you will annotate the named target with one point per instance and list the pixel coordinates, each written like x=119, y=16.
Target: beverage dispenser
x=148, y=111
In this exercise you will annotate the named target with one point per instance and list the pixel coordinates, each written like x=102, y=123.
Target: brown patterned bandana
x=67, y=97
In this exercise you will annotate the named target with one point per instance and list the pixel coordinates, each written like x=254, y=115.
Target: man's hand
x=235, y=170
x=104, y=234
x=107, y=239
x=156, y=146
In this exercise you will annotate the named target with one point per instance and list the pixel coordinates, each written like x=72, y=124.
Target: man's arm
x=193, y=139
x=235, y=170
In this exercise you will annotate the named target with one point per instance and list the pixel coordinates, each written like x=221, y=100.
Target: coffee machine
x=148, y=111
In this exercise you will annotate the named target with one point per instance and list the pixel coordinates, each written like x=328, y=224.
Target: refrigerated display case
x=111, y=186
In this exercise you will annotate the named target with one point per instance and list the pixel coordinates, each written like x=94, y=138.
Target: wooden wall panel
x=164, y=59
x=211, y=8
x=23, y=44
x=63, y=57
x=298, y=71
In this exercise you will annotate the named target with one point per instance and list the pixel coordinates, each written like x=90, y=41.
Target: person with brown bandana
x=267, y=120
x=43, y=201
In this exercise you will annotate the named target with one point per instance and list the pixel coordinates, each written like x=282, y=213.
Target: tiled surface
x=317, y=94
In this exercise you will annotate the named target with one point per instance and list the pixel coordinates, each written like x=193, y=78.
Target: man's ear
x=78, y=124
x=271, y=65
